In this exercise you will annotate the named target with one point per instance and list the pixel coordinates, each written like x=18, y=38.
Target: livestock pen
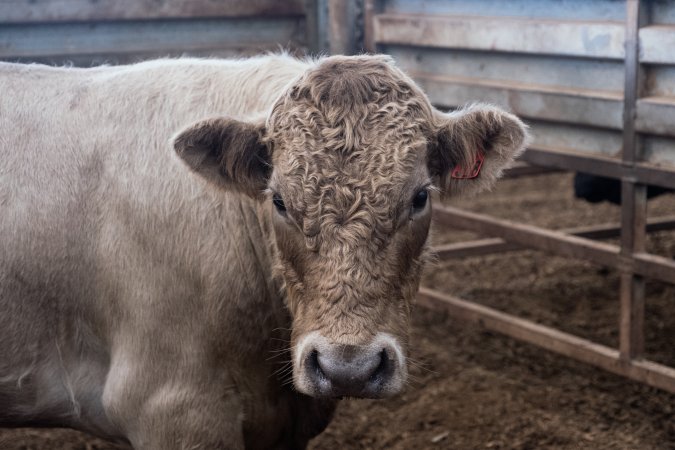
x=596, y=83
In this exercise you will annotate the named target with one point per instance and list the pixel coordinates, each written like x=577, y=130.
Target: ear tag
x=461, y=173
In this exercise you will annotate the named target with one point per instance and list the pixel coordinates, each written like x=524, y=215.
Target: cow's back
x=106, y=237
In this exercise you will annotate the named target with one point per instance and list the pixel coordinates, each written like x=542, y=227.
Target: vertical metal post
x=633, y=197
x=315, y=18
x=370, y=9
x=344, y=35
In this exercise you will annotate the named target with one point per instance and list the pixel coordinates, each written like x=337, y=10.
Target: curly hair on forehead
x=352, y=128
x=340, y=100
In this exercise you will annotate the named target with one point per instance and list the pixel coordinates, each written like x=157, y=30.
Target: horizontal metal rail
x=541, y=102
x=523, y=35
x=651, y=373
x=557, y=242
x=29, y=11
x=496, y=245
x=521, y=169
x=124, y=37
x=603, y=166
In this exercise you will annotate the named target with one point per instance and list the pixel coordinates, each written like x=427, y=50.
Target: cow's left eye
x=279, y=203
x=420, y=200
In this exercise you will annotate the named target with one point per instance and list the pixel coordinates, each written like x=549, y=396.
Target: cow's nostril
x=314, y=364
x=382, y=367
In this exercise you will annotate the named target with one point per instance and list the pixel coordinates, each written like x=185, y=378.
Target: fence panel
x=86, y=32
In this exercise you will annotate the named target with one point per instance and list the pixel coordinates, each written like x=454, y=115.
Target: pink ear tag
x=461, y=173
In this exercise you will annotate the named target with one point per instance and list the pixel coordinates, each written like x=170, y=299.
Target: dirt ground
x=472, y=389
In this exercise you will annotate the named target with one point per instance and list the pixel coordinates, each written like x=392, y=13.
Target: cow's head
x=346, y=162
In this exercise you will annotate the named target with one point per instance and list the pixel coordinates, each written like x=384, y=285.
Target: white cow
x=207, y=253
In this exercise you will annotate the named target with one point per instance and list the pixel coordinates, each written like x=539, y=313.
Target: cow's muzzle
x=325, y=369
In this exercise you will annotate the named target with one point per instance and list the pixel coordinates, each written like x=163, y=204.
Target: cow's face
x=346, y=163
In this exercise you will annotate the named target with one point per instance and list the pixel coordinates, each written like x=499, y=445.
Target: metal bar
x=632, y=67
x=474, y=248
x=556, y=242
x=654, y=266
x=529, y=236
x=22, y=11
x=604, y=166
x=656, y=115
x=113, y=59
x=590, y=107
x=342, y=27
x=502, y=34
x=566, y=344
x=370, y=10
x=633, y=200
x=657, y=44
x=497, y=245
x=521, y=169
x=633, y=217
x=121, y=37
x=312, y=33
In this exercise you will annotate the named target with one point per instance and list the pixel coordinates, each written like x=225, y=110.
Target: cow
x=200, y=253
x=596, y=189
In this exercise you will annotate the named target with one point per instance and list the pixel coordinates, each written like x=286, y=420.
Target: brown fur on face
x=350, y=142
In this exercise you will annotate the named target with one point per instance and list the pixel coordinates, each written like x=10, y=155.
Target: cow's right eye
x=279, y=203
x=420, y=200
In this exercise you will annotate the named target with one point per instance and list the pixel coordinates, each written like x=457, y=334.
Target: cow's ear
x=230, y=153
x=473, y=146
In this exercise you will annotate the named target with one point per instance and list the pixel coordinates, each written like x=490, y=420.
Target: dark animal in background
x=596, y=189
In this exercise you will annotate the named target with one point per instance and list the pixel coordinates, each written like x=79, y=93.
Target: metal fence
x=594, y=79
x=90, y=32
x=596, y=82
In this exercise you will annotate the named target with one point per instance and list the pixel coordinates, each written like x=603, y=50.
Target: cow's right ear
x=230, y=153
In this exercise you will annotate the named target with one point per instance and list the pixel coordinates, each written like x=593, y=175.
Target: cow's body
x=121, y=274
x=180, y=287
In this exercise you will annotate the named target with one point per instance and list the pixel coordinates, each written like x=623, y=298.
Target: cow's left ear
x=473, y=146
x=230, y=153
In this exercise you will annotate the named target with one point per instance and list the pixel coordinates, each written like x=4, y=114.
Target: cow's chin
x=325, y=369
